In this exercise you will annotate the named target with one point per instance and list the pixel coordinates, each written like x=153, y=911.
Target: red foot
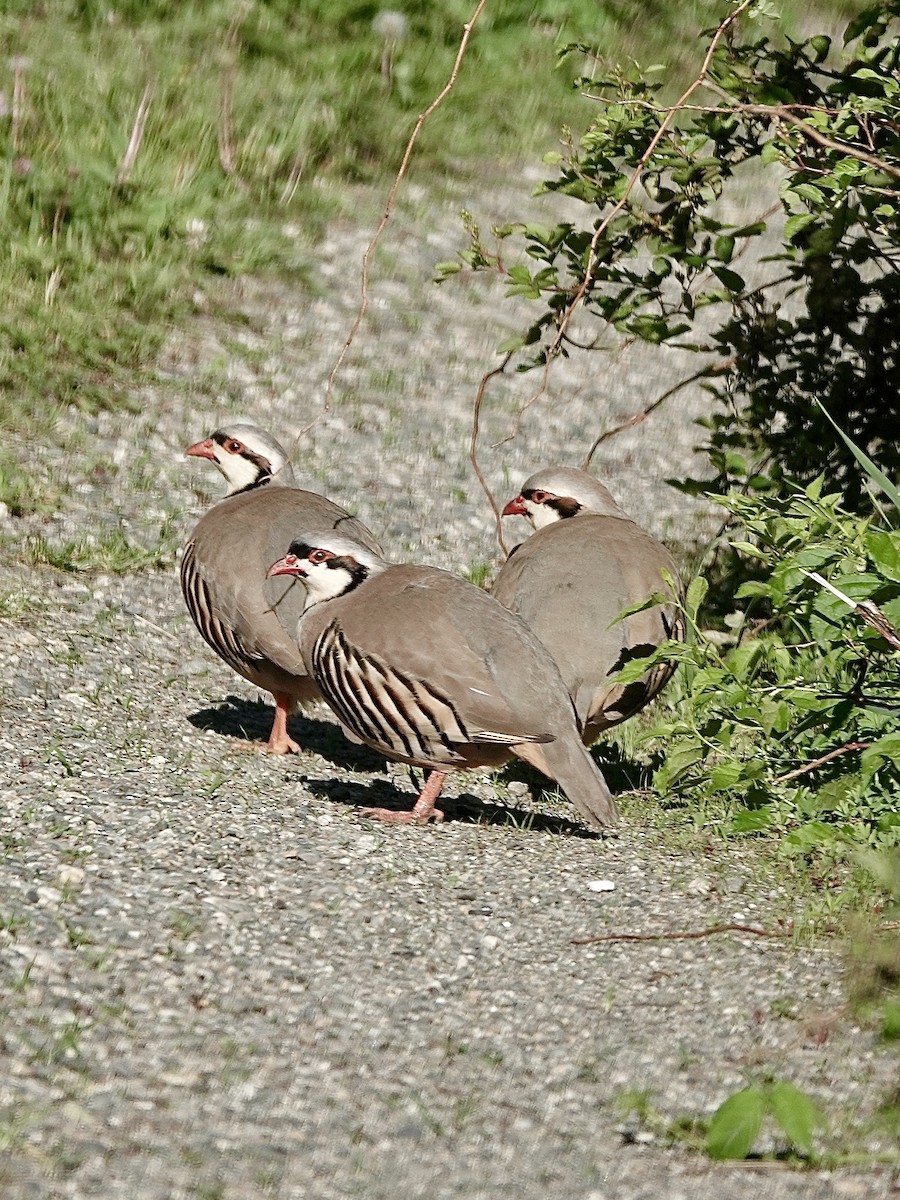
x=422, y=811
x=282, y=745
x=391, y=817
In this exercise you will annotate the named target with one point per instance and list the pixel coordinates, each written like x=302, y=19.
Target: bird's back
x=437, y=631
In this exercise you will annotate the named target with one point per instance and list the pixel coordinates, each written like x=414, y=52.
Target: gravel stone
x=217, y=979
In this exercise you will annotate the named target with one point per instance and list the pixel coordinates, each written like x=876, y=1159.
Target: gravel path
x=217, y=980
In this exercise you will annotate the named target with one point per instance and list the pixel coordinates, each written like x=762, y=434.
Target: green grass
x=113, y=552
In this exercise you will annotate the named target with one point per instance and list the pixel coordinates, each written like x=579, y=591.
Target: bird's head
x=557, y=493
x=329, y=564
x=246, y=455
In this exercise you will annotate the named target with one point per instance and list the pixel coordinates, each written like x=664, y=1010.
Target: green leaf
x=752, y=820
x=796, y=1113
x=726, y=776
x=696, y=594
x=731, y=279
x=887, y=749
x=771, y=153
x=750, y=549
x=736, y=1123
x=884, y=549
x=796, y=224
x=725, y=248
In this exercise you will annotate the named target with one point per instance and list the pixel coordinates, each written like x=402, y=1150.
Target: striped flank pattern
x=380, y=704
x=215, y=632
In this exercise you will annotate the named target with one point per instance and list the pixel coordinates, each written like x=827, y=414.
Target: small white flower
x=391, y=25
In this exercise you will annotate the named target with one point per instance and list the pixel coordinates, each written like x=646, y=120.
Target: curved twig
x=683, y=936
x=473, y=447
x=715, y=369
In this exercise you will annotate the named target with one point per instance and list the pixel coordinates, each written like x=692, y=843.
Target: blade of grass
x=877, y=476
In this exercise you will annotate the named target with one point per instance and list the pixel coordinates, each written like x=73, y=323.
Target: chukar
x=570, y=580
x=430, y=670
x=249, y=620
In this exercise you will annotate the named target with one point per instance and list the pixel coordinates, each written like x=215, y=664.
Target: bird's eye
x=320, y=556
x=539, y=497
x=234, y=447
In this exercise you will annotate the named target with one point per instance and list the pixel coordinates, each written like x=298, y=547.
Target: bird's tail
x=567, y=762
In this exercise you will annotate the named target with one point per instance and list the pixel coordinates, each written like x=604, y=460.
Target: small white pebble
x=601, y=885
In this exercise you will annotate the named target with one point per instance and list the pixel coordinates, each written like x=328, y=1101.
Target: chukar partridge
x=248, y=619
x=432, y=671
x=585, y=563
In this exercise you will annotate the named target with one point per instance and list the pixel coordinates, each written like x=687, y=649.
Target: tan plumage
x=248, y=619
x=430, y=670
x=569, y=581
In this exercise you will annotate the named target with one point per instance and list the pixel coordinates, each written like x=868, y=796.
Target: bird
x=430, y=670
x=587, y=561
x=249, y=620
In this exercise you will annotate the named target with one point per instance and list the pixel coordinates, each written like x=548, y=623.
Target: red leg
x=422, y=811
x=279, y=742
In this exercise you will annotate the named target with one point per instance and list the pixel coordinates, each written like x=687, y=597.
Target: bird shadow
x=465, y=808
x=251, y=721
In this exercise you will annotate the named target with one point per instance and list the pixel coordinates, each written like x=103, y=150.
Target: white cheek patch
x=324, y=582
x=541, y=514
x=239, y=471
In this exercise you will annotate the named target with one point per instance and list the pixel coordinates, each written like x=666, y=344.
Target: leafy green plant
x=792, y=721
x=737, y=1123
x=808, y=312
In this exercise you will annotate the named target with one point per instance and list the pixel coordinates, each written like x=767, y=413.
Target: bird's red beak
x=202, y=449
x=515, y=508
x=289, y=565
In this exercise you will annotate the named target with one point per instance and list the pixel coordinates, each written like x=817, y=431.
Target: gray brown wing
x=216, y=632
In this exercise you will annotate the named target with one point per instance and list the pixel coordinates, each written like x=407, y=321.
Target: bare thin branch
x=684, y=936
x=386, y=216
x=392, y=196
x=818, y=762
x=129, y=158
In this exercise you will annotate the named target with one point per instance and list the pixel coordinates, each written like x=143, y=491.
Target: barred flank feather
x=215, y=633
x=382, y=705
